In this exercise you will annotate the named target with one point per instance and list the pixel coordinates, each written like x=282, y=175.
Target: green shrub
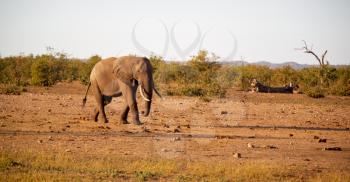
x=249, y=72
x=192, y=90
x=11, y=89
x=316, y=92
x=84, y=75
x=42, y=72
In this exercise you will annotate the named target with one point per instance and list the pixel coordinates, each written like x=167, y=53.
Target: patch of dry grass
x=31, y=166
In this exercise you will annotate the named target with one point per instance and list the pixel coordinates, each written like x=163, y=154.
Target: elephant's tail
x=87, y=90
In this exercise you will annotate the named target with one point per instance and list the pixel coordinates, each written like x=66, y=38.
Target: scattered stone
x=50, y=138
x=270, y=147
x=176, y=139
x=316, y=137
x=332, y=148
x=176, y=130
x=250, y=145
x=237, y=155
x=40, y=141
x=322, y=140
x=178, y=127
x=164, y=150
x=165, y=126
x=224, y=112
x=144, y=129
x=291, y=135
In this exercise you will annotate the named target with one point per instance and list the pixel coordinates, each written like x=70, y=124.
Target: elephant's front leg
x=124, y=115
x=130, y=97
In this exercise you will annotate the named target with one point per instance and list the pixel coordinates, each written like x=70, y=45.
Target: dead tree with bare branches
x=324, y=64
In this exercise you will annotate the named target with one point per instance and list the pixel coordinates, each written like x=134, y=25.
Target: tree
x=324, y=64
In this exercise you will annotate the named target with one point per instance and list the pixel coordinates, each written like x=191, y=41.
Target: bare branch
x=309, y=51
x=323, y=56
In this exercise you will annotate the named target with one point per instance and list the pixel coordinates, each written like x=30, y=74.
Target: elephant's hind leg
x=96, y=113
x=100, y=104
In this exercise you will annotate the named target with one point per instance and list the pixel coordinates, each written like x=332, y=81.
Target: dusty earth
x=263, y=128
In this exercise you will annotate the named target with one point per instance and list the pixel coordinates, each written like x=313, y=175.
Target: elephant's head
x=130, y=69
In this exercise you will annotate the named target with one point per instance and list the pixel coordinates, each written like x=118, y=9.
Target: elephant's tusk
x=143, y=96
x=156, y=91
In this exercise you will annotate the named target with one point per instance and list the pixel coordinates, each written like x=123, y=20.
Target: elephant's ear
x=122, y=73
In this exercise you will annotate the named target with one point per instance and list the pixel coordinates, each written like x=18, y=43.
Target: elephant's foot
x=124, y=121
x=137, y=122
x=105, y=120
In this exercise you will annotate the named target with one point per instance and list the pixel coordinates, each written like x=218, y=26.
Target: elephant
x=115, y=77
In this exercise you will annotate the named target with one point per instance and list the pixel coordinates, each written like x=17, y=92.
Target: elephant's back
x=103, y=69
x=102, y=75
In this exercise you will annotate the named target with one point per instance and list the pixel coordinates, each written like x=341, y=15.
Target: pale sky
x=264, y=30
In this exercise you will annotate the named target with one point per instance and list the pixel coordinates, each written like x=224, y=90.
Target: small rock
x=224, y=112
x=50, y=138
x=68, y=150
x=68, y=126
x=291, y=135
x=176, y=139
x=316, y=137
x=49, y=110
x=332, y=148
x=165, y=126
x=176, y=130
x=164, y=150
x=144, y=129
x=40, y=141
x=322, y=140
x=270, y=147
x=306, y=159
x=188, y=126
x=250, y=145
x=237, y=155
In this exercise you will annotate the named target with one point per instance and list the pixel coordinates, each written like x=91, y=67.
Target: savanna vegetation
x=200, y=76
x=29, y=166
